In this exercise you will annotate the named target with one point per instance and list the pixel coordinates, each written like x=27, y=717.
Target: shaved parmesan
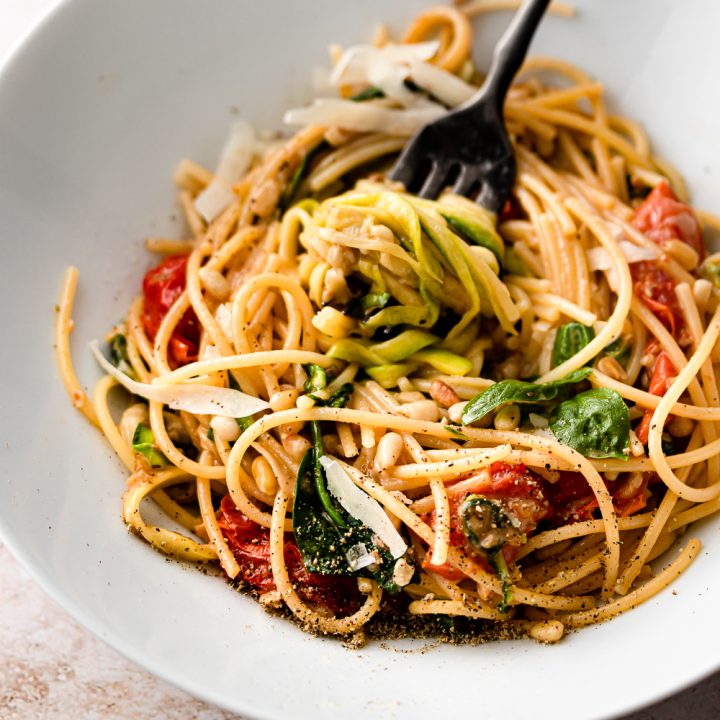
x=352, y=67
x=390, y=78
x=235, y=159
x=441, y=84
x=214, y=199
x=196, y=399
x=365, y=117
x=358, y=557
x=361, y=506
x=599, y=258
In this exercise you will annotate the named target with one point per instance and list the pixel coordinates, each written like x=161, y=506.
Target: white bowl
x=95, y=111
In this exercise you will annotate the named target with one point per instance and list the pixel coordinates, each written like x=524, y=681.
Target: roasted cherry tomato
x=663, y=374
x=572, y=500
x=250, y=544
x=662, y=217
x=161, y=288
x=520, y=492
x=656, y=289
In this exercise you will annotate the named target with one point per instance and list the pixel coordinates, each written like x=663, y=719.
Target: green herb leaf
x=369, y=93
x=338, y=399
x=327, y=502
x=596, y=423
x=211, y=435
x=456, y=431
x=300, y=172
x=620, y=350
x=570, y=339
x=317, y=378
x=489, y=528
x=518, y=391
x=323, y=545
x=245, y=422
x=143, y=442
x=119, y=355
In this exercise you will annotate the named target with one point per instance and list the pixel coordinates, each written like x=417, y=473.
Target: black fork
x=470, y=145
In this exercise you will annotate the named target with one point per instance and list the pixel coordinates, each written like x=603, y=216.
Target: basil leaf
x=570, y=339
x=488, y=528
x=300, y=172
x=319, y=540
x=245, y=422
x=620, y=350
x=324, y=546
x=119, y=355
x=143, y=442
x=518, y=391
x=328, y=505
x=596, y=423
x=338, y=399
x=317, y=378
x=369, y=93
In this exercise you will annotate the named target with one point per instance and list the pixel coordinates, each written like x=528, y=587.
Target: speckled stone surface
x=51, y=668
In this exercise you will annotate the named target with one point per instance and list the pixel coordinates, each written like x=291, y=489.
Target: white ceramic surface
x=95, y=111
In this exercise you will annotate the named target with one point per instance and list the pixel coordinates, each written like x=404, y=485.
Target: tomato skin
x=662, y=217
x=663, y=373
x=572, y=500
x=521, y=493
x=656, y=289
x=162, y=286
x=250, y=544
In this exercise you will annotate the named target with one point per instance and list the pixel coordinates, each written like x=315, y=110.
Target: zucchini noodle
x=378, y=341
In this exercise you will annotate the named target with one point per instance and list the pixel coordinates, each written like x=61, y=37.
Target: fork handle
x=511, y=50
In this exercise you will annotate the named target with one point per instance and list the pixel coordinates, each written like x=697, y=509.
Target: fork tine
x=407, y=167
x=466, y=181
x=435, y=181
x=489, y=198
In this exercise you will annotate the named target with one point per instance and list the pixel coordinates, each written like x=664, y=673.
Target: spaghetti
x=364, y=405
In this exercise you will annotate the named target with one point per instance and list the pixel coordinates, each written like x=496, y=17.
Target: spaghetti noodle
x=362, y=404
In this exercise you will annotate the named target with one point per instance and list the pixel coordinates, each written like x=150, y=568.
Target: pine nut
x=389, y=450
x=284, y=399
x=131, y=418
x=507, y=418
x=612, y=368
x=264, y=476
x=443, y=394
x=291, y=428
x=215, y=283
x=295, y=446
x=421, y=410
x=304, y=402
x=455, y=411
x=410, y=396
x=681, y=426
x=550, y=631
x=225, y=428
x=701, y=292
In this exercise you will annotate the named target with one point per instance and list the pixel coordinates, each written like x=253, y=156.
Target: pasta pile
x=358, y=402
